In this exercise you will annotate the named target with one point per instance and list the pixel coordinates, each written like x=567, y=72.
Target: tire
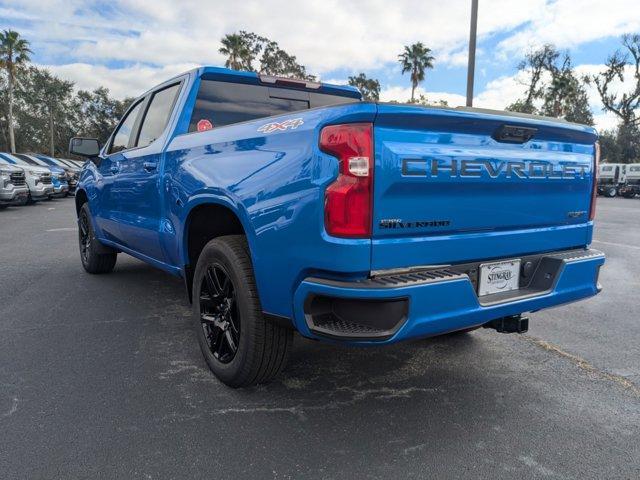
x=611, y=192
x=2, y=207
x=92, y=254
x=227, y=313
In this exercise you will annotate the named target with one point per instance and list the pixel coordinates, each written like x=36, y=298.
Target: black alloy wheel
x=85, y=238
x=219, y=313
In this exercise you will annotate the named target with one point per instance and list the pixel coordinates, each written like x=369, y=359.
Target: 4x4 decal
x=292, y=124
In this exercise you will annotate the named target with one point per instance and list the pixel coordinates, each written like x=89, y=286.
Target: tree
x=14, y=54
x=243, y=48
x=416, y=59
x=423, y=100
x=623, y=104
x=609, y=150
x=238, y=51
x=275, y=61
x=369, y=87
x=46, y=109
x=99, y=113
x=535, y=64
x=552, y=87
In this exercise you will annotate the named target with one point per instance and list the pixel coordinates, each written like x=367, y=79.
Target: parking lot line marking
x=66, y=229
x=635, y=247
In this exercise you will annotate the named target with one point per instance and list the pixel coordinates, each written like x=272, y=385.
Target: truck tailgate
x=453, y=186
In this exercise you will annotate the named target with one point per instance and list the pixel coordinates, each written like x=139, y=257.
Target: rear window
x=223, y=103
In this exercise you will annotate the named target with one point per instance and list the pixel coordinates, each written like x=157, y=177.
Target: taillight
x=594, y=190
x=348, y=200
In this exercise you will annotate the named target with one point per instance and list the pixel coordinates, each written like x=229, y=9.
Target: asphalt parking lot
x=101, y=377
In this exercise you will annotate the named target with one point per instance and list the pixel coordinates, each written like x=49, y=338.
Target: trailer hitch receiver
x=511, y=324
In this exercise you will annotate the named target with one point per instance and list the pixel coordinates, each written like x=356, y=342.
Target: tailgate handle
x=514, y=134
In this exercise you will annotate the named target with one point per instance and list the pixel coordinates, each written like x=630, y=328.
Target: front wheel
x=95, y=257
x=240, y=346
x=611, y=192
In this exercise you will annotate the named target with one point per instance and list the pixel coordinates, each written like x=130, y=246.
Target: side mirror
x=84, y=147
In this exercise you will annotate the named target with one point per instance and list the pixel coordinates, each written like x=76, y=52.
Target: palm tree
x=416, y=59
x=237, y=50
x=14, y=53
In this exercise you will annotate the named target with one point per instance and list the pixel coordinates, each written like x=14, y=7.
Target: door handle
x=149, y=166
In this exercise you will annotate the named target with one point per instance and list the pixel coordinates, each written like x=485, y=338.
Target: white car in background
x=38, y=178
x=13, y=186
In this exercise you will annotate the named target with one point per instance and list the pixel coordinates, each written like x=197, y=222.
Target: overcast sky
x=130, y=45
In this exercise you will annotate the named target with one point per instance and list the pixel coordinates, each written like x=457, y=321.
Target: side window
x=157, y=115
x=123, y=133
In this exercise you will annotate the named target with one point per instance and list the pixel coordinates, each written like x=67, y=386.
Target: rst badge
x=292, y=124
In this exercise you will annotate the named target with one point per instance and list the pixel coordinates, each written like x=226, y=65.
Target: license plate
x=499, y=277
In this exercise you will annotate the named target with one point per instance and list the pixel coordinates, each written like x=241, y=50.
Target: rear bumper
x=433, y=302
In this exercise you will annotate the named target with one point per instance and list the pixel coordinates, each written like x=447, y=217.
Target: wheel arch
x=81, y=198
x=208, y=218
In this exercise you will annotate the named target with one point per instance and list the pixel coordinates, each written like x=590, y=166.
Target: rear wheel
x=240, y=346
x=93, y=255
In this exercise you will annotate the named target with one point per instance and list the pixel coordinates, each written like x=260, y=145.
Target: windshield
x=25, y=160
x=4, y=158
x=47, y=160
x=64, y=163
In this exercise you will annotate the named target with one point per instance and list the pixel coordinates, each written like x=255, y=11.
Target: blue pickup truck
x=289, y=205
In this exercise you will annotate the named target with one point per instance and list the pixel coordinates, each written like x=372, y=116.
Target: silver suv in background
x=38, y=178
x=13, y=186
